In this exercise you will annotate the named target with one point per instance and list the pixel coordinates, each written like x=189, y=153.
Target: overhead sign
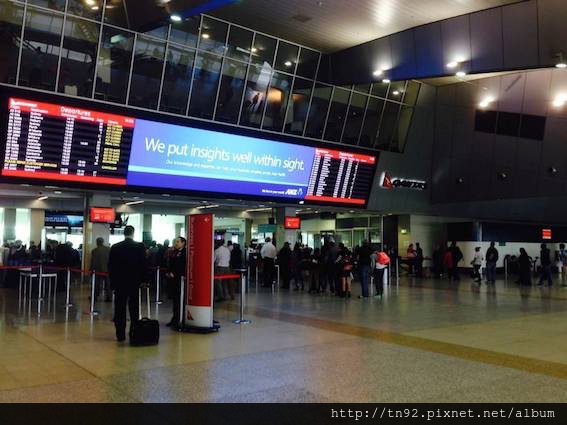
x=546, y=234
x=266, y=228
x=102, y=215
x=388, y=182
x=292, y=223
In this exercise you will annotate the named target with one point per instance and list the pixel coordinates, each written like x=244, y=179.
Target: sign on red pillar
x=199, y=290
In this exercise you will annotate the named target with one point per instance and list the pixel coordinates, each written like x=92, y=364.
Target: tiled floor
x=427, y=340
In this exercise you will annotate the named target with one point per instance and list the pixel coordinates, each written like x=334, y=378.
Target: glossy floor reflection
x=426, y=340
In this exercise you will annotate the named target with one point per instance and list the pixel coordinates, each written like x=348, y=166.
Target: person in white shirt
x=477, y=264
x=222, y=266
x=268, y=254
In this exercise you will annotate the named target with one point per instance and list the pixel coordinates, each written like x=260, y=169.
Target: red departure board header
x=70, y=112
x=102, y=215
x=292, y=223
x=366, y=159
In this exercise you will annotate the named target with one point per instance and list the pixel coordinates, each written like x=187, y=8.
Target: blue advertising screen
x=52, y=141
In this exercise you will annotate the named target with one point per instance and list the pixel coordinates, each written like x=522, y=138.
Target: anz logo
x=294, y=192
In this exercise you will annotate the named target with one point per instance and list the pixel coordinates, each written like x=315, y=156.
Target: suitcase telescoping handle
x=147, y=302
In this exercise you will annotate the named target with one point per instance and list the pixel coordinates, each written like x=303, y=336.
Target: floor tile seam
x=511, y=361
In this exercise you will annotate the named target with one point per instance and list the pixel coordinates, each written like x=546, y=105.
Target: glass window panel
x=318, y=110
x=412, y=91
x=263, y=50
x=213, y=35
x=93, y=10
x=11, y=17
x=231, y=89
x=380, y=89
x=388, y=125
x=354, y=118
x=298, y=106
x=363, y=88
x=337, y=114
x=115, y=13
x=146, y=73
x=286, y=57
x=401, y=133
x=113, y=65
x=307, y=65
x=397, y=91
x=205, y=84
x=186, y=32
x=78, y=57
x=255, y=95
x=371, y=122
x=177, y=80
x=278, y=96
x=40, y=55
x=239, y=43
x=50, y=4
x=159, y=32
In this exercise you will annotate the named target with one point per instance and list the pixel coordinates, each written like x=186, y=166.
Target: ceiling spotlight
x=205, y=36
x=94, y=8
x=43, y=198
x=460, y=180
x=461, y=74
x=377, y=73
x=453, y=64
x=560, y=101
x=134, y=202
x=396, y=92
x=288, y=63
x=486, y=102
x=502, y=176
x=561, y=65
x=552, y=170
x=57, y=192
x=386, y=81
x=175, y=18
x=254, y=50
x=90, y=2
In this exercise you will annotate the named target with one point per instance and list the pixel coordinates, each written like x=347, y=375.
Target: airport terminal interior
x=336, y=201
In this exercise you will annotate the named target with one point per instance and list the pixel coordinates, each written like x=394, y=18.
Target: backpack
x=382, y=258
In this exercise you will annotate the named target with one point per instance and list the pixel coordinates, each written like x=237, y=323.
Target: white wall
x=511, y=248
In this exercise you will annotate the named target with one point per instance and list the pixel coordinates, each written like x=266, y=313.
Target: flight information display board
x=56, y=142
x=48, y=141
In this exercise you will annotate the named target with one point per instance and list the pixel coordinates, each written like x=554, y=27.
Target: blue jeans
x=364, y=271
x=490, y=271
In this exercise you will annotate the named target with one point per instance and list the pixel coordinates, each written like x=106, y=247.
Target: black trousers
x=176, y=295
x=379, y=280
x=269, y=269
x=123, y=297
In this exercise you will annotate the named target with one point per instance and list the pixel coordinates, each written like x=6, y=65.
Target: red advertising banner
x=199, y=288
x=102, y=215
x=292, y=223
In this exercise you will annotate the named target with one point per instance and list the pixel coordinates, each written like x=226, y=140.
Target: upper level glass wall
x=202, y=67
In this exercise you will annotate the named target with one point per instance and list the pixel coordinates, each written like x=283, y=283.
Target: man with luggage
x=127, y=271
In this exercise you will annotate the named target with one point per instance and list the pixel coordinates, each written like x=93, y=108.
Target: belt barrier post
x=248, y=279
x=158, y=292
x=93, y=284
x=397, y=271
x=181, y=300
x=68, y=299
x=40, y=285
x=257, y=272
x=241, y=320
x=506, y=269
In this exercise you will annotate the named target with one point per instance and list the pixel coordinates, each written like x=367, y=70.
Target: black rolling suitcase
x=145, y=331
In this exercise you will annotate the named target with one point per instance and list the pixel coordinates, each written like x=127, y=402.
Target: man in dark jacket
x=457, y=256
x=491, y=259
x=127, y=271
x=176, y=270
x=545, y=258
x=364, y=254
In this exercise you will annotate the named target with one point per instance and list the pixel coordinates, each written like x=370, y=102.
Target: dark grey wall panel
x=483, y=146
x=486, y=36
x=536, y=94
x=552, y=16
x=403, y=56
x=456, y=40
x=444, y=122
x=529, y=155
x=520, y=34
x=429, y=50
x=511, y=96
x=505, y=150
x=525, y=184
x=380, y=55
x=463, y=135
x=501, y=188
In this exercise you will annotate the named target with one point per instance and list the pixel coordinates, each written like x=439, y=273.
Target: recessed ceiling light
x=94, y=8
x=561, y=65
x=254, y=50
x=386, y=81
x=288, y=63
x=90, y=2
x=57, y=192
x=42, y=198
x=461, y=74
x=205, y=36
x=396, y=92
x=175, y=18
x=134, y=202
x=377, y=73
x=453, y=64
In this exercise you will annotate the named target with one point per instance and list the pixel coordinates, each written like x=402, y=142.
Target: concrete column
x=9, y=224
x=37, y=225
x=283, y=235
x=92, y=231
x=147, y=228
x=247, y=231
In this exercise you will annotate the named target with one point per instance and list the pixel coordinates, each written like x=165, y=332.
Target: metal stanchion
x=397, y=271
x=158, y=292
x=181, y=299
x=39, y=286
x=242, y=320
x=257, y=273
x=93, y=284
x=68, y=299
x=371, y=289
x=248, y=279
x=506, y=269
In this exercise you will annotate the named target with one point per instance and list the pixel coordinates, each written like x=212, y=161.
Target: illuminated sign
x=388, y=182
x=546, y=234
x=102, y=215
x=292, y=223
